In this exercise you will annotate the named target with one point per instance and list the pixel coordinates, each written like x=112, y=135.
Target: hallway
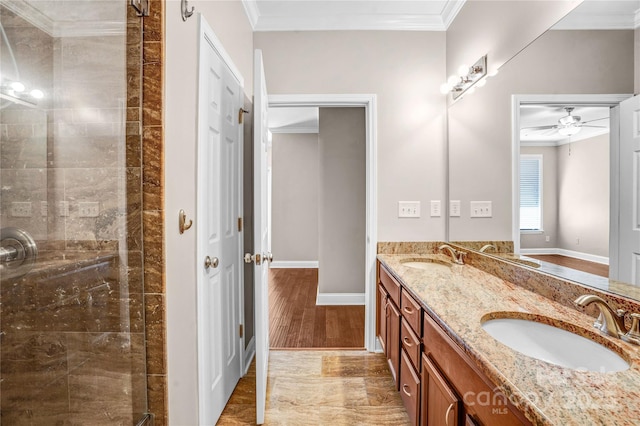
x=295, y=321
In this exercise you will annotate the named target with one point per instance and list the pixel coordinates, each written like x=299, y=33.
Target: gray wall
x=405, y=70
x=294, y=197
x=583, y=196
x=342, y=195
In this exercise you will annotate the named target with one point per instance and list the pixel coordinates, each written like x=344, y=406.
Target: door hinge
x=241, y=330
x=241, y=114
x=141, y=7
x=239, y=224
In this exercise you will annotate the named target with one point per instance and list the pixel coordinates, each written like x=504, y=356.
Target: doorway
x=324, y=302
x=565, y=189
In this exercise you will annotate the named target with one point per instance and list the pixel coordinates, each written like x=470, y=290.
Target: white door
x=629, y=225
x=262, y=254
x=218, y=238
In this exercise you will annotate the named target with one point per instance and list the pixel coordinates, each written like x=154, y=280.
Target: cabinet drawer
x=467, y=380
x=410, y=389
x=410, y=343
x=411, y=311
x=390, y=284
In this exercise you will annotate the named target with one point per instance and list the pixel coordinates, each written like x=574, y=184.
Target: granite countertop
x=461, y=298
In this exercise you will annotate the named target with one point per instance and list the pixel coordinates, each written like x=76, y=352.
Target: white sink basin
x=427, y=263
x=554, y=345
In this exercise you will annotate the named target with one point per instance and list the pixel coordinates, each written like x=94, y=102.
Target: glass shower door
x=71, y=286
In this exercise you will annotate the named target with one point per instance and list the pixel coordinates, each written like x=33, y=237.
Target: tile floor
x=319, y=387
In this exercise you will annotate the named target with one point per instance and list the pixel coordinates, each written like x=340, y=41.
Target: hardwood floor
x=296, y=322
x=320, y=388
x=571, y=262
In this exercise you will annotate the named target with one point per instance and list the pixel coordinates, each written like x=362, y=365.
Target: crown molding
x=599, y=22
x=66, y=28
x=397, y=22
x=252, y=11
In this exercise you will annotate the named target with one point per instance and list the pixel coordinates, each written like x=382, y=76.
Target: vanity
x=449, y=370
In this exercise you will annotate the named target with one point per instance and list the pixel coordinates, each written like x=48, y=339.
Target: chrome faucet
x=612, y=322
x=486, y=247
x=456, y=255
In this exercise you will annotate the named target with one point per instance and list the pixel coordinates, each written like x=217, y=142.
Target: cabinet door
x=440, y=404
x=382, y=317
x=393, y=340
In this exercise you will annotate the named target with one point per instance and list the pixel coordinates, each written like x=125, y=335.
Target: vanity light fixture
x=468, y=77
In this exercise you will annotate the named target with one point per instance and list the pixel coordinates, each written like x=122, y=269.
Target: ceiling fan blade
x=597, y=119
x=540, y=127
x=599, y=127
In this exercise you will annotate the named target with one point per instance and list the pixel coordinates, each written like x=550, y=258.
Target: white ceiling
x=546, y=115
x=297, y=15
x=294, y=120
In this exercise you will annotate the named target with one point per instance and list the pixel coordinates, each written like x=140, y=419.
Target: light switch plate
x=481, y=209
x=436, y=208
x=454, y=208
x=408, y=208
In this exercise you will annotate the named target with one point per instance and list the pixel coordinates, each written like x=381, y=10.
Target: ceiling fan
x=568, y=125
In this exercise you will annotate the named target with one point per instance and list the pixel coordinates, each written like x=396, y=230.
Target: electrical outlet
x=547, y=238
x=454, y=208
x=481, y=209
x=89, y=209
x=408, y=208
x=21, y=209
x=63, y=208
x=435, y=208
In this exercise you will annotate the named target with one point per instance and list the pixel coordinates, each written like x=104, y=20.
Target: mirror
x=573, y=58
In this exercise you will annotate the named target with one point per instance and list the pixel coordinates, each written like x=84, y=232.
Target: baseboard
x=340, y=299
x=294, y=264
x=569, y=253
x=249, y=353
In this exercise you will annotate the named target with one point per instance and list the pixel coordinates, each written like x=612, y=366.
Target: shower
x=72, y=347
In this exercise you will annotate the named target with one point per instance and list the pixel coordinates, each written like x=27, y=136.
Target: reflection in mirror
x=573, y=209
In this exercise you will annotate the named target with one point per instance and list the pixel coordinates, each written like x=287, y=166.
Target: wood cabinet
x=438, y=382
x=381, y=325
x=440, y=405
x=389, y=322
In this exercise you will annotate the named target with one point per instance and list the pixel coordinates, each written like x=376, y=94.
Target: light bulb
x=38, y=94
x=445, y=88
x=463, y=70
x=17, y=86
x=453, y=80
x=569, y=130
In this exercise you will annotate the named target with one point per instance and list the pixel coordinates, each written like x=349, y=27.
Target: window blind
x=530, y=193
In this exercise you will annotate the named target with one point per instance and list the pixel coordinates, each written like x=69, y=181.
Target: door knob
x=269, y=257
x=209, y=262
x=248, y=258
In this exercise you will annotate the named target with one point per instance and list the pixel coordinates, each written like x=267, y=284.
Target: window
x=531, y=192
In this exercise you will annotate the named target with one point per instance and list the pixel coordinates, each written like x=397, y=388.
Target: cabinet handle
x=404, y=389
x=408, y=310
x=407, y=341
x=446, y=416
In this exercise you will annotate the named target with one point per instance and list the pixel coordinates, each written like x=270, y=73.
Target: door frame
x=207, y=38
x=369, y=103
x=611, y=100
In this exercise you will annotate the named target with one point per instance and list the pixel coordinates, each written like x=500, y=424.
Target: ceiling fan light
x=568, y=130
